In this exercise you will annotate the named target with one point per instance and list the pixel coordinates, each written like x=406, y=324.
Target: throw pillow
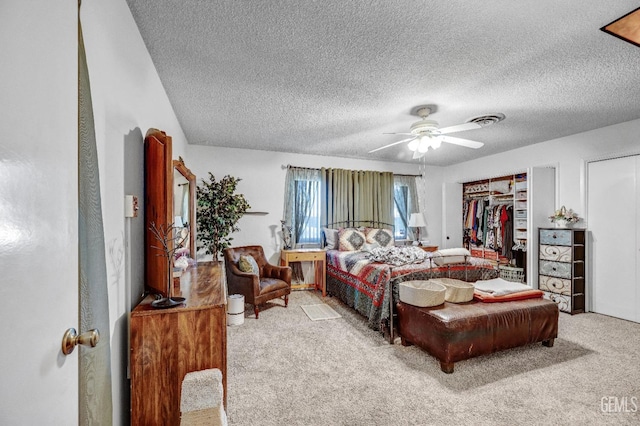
x=351, y=239
x=248, y=264
x=450, y=256
x=330, y=238
x=384, y=237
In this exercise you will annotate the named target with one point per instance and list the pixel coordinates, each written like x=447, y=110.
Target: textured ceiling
x=329, y=77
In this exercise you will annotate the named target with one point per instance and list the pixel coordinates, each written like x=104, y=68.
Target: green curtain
x=95, y=404
x=357, y=195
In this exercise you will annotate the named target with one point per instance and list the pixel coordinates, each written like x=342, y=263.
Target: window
x=405, y=197
x=305, y=216
x=400, y=209
x=307, y=208
x=302, y=205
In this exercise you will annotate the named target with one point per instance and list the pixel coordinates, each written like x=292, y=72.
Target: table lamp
x=417, y=221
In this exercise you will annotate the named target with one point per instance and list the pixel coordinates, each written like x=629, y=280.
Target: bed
x=366, y=276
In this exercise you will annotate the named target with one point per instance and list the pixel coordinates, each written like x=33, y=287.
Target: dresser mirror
x=184, y=214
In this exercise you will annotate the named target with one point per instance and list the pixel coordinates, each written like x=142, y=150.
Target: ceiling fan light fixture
x=423, y=126
x=426, y=133
x=436, y=141
x=425, y=143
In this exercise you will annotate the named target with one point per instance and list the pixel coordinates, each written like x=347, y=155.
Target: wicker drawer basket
x=458, y=291
x=422, y=293
x=511, y=273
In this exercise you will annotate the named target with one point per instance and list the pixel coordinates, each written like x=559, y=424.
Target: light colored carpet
x=319, y=312
x=286, y=370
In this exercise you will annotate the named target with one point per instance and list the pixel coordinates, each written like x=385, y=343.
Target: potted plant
x=218, y=210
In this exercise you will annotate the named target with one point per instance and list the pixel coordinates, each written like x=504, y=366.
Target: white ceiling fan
x=425, y=133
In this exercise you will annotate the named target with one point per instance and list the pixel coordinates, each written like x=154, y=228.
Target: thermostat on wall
x=130, y=206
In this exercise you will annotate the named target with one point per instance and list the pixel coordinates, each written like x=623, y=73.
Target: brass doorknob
x=71, y=339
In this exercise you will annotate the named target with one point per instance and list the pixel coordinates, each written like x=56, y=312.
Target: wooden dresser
x=166, y=344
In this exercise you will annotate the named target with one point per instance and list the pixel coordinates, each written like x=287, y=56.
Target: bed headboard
x=355, y=224
x=359, y=224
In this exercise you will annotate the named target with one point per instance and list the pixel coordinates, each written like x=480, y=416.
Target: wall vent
x=487, y=119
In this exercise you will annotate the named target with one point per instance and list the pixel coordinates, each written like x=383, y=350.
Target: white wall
x=263, y=175
x=567, y=154
x=128, y=99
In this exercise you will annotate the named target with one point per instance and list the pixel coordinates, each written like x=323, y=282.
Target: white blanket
x=500, y=287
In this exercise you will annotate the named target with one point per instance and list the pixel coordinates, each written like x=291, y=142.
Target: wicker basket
x=422, y=293
x=458, y=291
x=510, y=273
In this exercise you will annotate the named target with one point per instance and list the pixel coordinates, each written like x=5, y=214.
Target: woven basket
x=512, y=274
x=422, y=293
x=457, y=291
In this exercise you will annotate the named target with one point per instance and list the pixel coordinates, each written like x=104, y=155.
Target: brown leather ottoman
x=454, y=332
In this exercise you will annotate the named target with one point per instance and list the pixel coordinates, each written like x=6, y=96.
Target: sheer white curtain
x=406, y=201
x=302, y=205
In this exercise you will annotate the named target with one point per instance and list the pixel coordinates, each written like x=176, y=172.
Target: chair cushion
x=267, y=285
x=248, y=264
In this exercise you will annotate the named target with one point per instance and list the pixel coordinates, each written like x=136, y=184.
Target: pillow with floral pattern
x=383, y=237
x=248, y=264
x=351, y=239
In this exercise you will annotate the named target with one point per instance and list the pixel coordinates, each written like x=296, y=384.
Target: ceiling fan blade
x=462, y=142
x=459, y=128
x=392, y=144
x=408, y=134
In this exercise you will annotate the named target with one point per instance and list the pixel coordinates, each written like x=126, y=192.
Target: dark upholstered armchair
x=272, y=282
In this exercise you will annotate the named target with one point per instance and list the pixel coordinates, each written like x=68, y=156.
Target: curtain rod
x=289, y=166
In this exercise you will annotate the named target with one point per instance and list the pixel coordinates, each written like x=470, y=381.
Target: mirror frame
x=178, y=166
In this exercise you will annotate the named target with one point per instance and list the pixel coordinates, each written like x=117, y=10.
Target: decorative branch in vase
x=171, y=240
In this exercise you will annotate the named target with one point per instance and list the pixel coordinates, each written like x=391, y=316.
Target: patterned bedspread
x=363, y=283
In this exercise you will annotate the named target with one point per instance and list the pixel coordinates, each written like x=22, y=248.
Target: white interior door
x=451, y=215
x=613, y=213
x=39, y=212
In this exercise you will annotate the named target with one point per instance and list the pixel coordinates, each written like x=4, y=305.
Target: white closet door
x=613, y=212
x=541, y=198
